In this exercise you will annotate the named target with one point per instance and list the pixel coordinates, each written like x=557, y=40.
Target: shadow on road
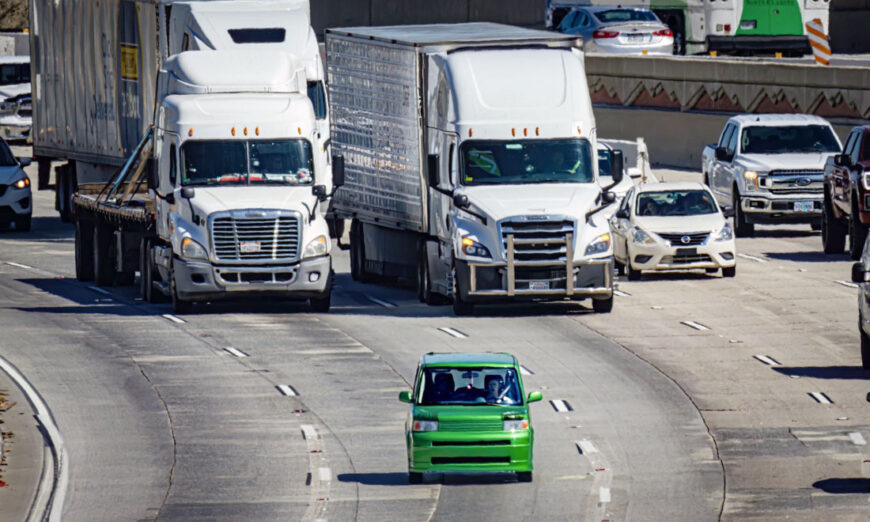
x=42, y=228
x=88, y=301
x=375, y=479
x=844, y=485
x=807, y=257
x=449, y=479
x=826, y=372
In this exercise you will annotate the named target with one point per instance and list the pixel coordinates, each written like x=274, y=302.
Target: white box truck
x=470, y=152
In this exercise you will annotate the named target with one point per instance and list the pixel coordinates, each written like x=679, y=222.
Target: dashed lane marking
x=821, y=398
x=236, y=352
x=385, y=304
x=620, y=293
x=753, y=258
x=770, y=361
x=100, y=290
x=586, y=447
x=603, y=495
x=453, y=332
x=561, y=406
x=857, y=439
x=324, y=474
x=308, y=432
x=287, y=390
x=526, y=371
x=19, y=265
x=174, y=319
x=696, y=326
x=846, y=283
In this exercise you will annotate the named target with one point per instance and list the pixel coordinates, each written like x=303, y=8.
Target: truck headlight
x=600, y=245
x=865, y=180
x=22, y=183
x=425, y=425
x=315, y=248
x=193, y=250
x=751, y=178
x=472, y=248
x=726, y=234
x=639, y=236
x=516, y=425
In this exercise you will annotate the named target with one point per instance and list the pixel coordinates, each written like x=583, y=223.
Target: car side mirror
x=319, y=191
x=608, y=197
x=405, y=396
x=859, y=275
x=535, y=396
x=622, y=213
x=842, y=160
x=617, y=166
x=187, y=192
x=460, y=201
x=432, y=168
x=337, y=171
x=25, y=162
x=722, y=154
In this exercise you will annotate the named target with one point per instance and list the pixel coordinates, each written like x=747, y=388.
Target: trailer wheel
x=424, y=279
x=104, y=269
x=84, y=251
x=357, y=253
x=146, y=273
x=65, y=187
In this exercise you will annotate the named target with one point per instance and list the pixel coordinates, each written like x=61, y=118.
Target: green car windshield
x=469, y=386
x=522, y=162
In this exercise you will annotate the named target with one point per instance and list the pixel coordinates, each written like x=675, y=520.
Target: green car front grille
x=471, y=425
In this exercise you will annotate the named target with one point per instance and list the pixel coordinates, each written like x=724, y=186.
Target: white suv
x=16, y=200
x=15, y=99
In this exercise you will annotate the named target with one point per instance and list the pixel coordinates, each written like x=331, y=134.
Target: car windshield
x=469, y=386
x=14, y=73
x=625, y=15
x=260, y=162
x=675, y=203
x=526, y=161
x=788, y=139
x=7, y=159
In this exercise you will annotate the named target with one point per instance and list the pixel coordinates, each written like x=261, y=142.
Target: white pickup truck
x=767, y=168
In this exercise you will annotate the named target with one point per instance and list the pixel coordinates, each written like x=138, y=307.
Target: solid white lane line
x=821, y=398
x=385, y=304
x=235, y=351
x=309, y=432
x=287, y=390
x=99, y=290
x=586, y=446
x=453, y=332
x=561, y=406
x=19, y=265
x=752, y=258
x=324, y=474
x=770, y=361
x=857, y=439
x=526, y=371
x=604, y=495
x=696, y=326
x=620, y=293
x=846, y=283
x=174, y=319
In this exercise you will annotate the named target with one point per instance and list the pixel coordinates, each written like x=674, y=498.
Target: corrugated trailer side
x=375, y=95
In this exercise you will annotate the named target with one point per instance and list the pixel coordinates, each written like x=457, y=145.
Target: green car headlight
x=425, y=425
x=516, y=425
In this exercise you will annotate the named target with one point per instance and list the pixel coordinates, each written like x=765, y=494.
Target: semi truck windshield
x=284, y=162
x=526, y=161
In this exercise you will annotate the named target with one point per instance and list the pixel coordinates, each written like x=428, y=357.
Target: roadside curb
x=49, y=499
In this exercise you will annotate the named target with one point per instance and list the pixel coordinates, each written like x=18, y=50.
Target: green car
x=469, y=412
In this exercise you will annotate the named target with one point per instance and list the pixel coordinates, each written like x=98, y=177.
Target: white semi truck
x=94, y=68
x=471, y=163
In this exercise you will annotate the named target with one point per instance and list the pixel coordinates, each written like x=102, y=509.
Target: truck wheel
x=84, y=251
x=357, y=253
x=603, y=306
x=104, y=271
x=415, y=478
x=833, y=231
x=865, y=348
x=741, y=227
x=524, y=476
x=146, y=273
x=424, y=281
x=321, y=305
x=460, y=307
x=857, y=233
x=729, y=272
x=22, y=223
x=178, y=306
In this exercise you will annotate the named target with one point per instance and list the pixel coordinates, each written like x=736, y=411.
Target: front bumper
x=769, y=44
x=470, y=451
x=14, y=127
x=199, y=280
x=15, y=202
x=713, y=255
x=764, y=209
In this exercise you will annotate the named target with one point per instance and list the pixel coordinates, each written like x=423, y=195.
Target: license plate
x=803, y=206
x=687, y=251
x=539, y=285
x=249, y=247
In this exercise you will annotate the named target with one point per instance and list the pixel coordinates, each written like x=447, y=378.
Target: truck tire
x=104, y=269
x=833, y=231
x=321, y=305
x=178, y=306
x=865, y=348
x=603, y=306
x=424, y=280
x=460, y=307
x=357, y=253
x=65, y=187
x=741, y=227
x=857, y=232
x=146, y=274
x=84, y=251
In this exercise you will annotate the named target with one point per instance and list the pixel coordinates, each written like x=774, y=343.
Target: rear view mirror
x=535, y=396
x=405, y=396
x=859, y=275
x=617, y=166
x=337, y=171
x=187, y=193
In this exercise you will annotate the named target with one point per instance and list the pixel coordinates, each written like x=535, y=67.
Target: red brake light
x=664, y=32
x=605, y=34
x=727, y=28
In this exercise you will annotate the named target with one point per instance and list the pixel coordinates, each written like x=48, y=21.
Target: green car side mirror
x=405, y=396
x=535, y=396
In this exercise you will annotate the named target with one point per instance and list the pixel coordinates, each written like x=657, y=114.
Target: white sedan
x=672, y=226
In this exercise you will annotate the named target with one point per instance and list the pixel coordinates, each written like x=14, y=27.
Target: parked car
x=619, y=30
x=846, y=208
x=672, y=226
x=15, y=101
x=16, y=200
x=861, y=275
x=767, y=168
x=469, y=412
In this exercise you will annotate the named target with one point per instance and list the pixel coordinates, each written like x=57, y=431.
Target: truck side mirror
x=432, y=168
x=859, y=275
x=608, y=197
x=842, y=160
x=622, y=213
x=460, y=201
x=319, y=191
x=617, y=166
x=405, y=396
x=722, y=154
x=337, y=171
x=187, y=193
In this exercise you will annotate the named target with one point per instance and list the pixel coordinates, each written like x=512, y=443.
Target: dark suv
x=847, y=195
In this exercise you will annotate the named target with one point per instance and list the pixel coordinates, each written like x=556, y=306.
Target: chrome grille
x=797, y=172
x=255, y=239
x=675, y=239
x=471, y=425
x=538, y=241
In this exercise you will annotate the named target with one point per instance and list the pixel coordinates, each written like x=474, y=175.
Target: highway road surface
x=698, y=398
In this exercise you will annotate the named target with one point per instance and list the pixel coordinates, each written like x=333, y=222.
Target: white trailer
x=451, y=136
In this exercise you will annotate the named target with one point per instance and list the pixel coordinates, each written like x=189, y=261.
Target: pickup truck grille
x=796, y=182
x=255, y=239
x=676, y=239
x=538, y=241
x=798, y=172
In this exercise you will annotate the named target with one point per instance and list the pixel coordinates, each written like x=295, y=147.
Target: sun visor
x=203, y=72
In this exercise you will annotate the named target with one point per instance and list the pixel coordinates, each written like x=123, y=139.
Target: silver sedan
x=619, y=30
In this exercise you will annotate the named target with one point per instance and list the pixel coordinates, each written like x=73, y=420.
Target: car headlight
x=726, y=234
x=600, y=245
x=315, y=248
x=192, y=249
x=751, y=178
x=639, y=236
x=425, y=425
x=516, y=425
x=22, y=183
x=865, y=179
x=472, y=248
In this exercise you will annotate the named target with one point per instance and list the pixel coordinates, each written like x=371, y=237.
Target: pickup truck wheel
x=741, y=227
x=865, y=348
x=104, y=270
x=603, y=306
x=729, y=272
x=84, y=251
x=857, y=233
x=833, y=231
x=524, y=476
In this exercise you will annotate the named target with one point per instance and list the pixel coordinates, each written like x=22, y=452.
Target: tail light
x=605, y=34
x=727, y=28
x=664, y=32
